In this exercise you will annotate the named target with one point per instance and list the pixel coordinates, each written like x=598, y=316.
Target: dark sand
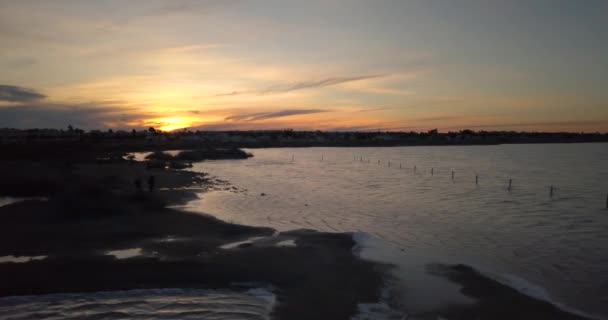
x=494, y=300
x=94, y=208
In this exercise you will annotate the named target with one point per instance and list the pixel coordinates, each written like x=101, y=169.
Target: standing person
x=151, y=183
x=137, y=185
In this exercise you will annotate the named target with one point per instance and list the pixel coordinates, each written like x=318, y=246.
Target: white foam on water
x=264, y=294
x=5, y=201
x=252, y=304
x=375, y=249
x=287, y=243
x=233, y=245
x=532, y=290
x=125, y=253
x=20, y=259
x=379, y=310
x=170, y=239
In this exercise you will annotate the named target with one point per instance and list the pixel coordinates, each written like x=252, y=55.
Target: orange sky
x=339, y=65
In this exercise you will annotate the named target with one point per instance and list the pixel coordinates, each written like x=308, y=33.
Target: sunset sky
x=314, y=64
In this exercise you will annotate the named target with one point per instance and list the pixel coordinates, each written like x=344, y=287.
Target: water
x=20, y=259
x=5, y=201
x=150, y=304
x=559, y=244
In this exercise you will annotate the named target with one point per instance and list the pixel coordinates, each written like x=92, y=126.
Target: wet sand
x=493, y=299
x=95, y=208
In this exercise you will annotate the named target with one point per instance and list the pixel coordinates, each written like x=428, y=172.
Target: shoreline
x=94, y=208
x=317, y=275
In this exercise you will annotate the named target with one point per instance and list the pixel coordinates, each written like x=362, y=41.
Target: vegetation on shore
x=152, y=139
x=201, y=154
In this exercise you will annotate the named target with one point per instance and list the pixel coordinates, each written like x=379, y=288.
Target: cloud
x=302, y=85
x=190, y=7
x=233, y=93
x=18, y=94
x=372, y=109
x=271, y=115
x=321, y=83
x=579, y=123
x=52, y=115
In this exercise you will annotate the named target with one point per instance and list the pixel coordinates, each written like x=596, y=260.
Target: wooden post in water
x=476, y=179
x=452, y=174
x=509, y=188
x=292, y=157
x=400, y=166
x=321, y=157
x=551, y=191
x=389, y=163
x=414, y=168
x=378, y=162
x=432, y=171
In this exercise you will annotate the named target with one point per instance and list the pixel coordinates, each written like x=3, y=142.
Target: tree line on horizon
x=466, y=134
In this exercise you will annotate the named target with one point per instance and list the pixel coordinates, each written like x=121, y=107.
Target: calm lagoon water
x=551, y=247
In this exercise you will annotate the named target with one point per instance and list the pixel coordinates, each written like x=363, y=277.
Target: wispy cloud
x=302, y=85
x=580, y=123
x=372, y=109
x=233, y=93
x=321, y=83
x=10, y=93
x=190, y=6
x=270, y=115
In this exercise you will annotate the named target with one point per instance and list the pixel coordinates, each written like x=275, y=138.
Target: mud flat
x=97, y=231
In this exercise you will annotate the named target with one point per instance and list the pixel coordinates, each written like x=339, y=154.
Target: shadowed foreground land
x=494, y=300
x=93, y=207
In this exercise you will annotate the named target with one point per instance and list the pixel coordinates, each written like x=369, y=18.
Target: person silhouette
x=137, y=185
x=151, y=183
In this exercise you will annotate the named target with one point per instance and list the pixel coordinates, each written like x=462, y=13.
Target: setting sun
x=170, y=124
x=304, y=159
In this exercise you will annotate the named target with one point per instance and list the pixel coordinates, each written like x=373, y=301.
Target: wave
x=251, y=304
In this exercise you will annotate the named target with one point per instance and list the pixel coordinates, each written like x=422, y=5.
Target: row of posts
x=509, y=187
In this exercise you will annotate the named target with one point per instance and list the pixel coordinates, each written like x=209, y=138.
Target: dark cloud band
x=303, y=85
x=18, y=94
x=270, y=115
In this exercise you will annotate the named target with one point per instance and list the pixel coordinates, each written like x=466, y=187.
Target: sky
x=533, y=65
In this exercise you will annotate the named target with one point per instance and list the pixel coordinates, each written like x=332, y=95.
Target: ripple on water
x=252, y=304
x=522, y=231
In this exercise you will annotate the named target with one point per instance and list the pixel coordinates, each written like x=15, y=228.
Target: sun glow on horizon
x=199, y=65
x=170, y=124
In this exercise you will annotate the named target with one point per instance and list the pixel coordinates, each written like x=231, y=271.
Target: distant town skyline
x=305, y=65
